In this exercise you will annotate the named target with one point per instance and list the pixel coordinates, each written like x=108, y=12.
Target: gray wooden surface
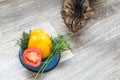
x=96, y=49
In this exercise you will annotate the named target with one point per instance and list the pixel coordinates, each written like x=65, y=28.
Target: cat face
x=75, y=14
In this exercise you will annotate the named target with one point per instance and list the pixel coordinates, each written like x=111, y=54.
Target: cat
x=76, y=13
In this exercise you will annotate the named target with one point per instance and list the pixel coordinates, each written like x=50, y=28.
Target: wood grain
x=96, y=49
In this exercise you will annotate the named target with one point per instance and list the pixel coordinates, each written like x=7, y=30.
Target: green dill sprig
x=23, y=41
x=59, y=44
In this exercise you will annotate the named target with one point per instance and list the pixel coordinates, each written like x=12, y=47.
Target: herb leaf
x=23, y=41
x=59, y=44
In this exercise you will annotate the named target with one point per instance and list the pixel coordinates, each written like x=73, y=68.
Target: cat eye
x=84, y=9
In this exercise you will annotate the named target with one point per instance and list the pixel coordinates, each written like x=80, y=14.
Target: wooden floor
x=96, y=49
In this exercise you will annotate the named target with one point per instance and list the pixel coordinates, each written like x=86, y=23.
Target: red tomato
x=32, y=57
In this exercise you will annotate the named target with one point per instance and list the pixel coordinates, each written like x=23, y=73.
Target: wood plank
x=96, y=49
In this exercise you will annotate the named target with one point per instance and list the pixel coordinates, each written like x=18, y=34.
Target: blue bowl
x=53, y=63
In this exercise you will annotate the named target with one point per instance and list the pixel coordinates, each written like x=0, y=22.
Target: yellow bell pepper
x=39, y=39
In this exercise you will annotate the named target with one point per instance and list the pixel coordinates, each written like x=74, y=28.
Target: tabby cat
x=75, y=14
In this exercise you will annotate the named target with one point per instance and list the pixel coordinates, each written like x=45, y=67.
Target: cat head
x=75, y=14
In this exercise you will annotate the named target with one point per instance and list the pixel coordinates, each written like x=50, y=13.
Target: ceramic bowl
x=53, y=63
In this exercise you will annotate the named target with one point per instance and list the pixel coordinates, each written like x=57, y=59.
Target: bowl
x=53, y=63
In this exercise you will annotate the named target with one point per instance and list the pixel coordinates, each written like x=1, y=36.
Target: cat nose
x=74, y=30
